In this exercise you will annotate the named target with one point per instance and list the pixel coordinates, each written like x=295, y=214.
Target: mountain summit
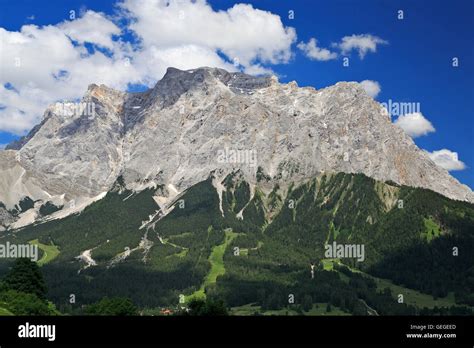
x=205, y=121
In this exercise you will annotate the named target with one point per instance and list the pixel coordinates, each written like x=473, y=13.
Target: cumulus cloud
x=372, y=88
x=414, y=124
x=92, y=27
x=41, y=65
x=362, y=43
x=312, y=51
x=447, y=159
x=242, y=32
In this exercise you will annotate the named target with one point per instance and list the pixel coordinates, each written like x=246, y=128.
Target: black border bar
x=261, y=330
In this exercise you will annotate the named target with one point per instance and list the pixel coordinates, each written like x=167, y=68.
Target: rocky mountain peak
x=176, y=82
x=208, y=120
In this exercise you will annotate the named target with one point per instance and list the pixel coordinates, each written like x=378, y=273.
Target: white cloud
x=92, y=27
x=362, y=43
x=312, y=51
x=54, y=63
x=372, y=88
x=414, y=124
x=241, y=32
x=447, y=159
x=258, y=69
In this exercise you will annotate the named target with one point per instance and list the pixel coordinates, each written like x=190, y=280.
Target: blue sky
x=413, y=65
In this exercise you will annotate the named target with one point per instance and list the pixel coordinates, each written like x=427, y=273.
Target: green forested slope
x=409, y=235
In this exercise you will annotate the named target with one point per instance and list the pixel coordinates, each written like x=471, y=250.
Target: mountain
x=222, y=184
x=199, y=121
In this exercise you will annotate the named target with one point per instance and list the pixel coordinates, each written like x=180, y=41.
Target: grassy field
x=5, y=312
x=413, y=297
x=328, y=264
x=319, y=309
x=410, y=296
x=432, y=230
x=217, y=265
x=50, y=252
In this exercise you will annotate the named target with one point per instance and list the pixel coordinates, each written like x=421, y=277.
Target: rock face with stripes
x=207, y=120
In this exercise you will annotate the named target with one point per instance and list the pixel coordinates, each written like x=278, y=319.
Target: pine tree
x=25, y=276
